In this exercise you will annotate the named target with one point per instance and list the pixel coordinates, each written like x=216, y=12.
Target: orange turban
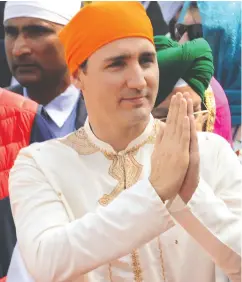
x=100, y=23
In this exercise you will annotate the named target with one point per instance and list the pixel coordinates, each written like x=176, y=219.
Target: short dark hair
x=83, y=65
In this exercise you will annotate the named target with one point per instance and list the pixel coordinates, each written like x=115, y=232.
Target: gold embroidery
x=162, y=260
x=125, y=169
x=110, y=272
x=134, y=170
x=136, y=266
x=210, y=104
x=79, y=141
x=156, y=128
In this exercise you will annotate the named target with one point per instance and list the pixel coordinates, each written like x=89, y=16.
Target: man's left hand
x=192, y=177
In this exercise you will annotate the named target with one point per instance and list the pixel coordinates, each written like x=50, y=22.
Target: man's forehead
x=133, y=46
x=21, y=22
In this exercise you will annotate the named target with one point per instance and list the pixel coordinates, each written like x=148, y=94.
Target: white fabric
x=60, y=12
x=14, y=82
x=169, y=9
x=145, y=4
x=180, y=83
x=64, y=234
x=17, y=271
x=62, y=106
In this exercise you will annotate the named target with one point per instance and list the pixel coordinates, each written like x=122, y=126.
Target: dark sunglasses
x=194, y=31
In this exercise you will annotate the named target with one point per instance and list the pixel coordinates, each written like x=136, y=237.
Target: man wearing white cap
x=36, y=59
x=126, y=197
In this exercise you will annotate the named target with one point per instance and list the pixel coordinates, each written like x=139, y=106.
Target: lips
x=137, y=101
x=25, y=68
x=134, y=98
x=22, y=64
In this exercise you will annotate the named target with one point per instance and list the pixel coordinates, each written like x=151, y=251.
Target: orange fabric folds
x=100, y=23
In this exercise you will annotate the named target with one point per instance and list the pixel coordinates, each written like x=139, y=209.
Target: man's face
x=191, y=18
x=121, y=81
x=34, y=52
x=161, y=111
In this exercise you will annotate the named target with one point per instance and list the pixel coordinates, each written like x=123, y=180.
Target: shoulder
x=16, y=89
x=214, y=148
x=10, y=100
x=206, y=139
x=45, y=151
x=62, y=149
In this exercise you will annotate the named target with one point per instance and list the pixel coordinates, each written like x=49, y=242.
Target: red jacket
x=16, y=119
x=17, y=115
x=21, y=123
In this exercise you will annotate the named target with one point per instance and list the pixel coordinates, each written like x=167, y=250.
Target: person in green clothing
x=186, y=68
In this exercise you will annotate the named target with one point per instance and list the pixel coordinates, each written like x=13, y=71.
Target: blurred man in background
x=46, y=106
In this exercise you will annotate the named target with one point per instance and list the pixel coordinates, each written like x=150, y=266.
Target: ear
x=76, y=79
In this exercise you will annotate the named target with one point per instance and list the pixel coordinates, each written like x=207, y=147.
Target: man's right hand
x=170, y=159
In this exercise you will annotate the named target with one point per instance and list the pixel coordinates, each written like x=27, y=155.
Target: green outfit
x=191, y=61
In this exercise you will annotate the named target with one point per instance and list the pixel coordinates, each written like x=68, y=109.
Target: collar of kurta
x=148, y=136
x=62, y=106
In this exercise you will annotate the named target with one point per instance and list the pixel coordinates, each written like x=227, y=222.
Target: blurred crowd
x=198, y=46
x=183, y=21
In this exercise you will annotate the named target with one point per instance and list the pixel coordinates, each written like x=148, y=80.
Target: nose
x=21, y=47
x=136, y=78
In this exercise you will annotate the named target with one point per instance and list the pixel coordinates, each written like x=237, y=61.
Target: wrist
x=159, y=193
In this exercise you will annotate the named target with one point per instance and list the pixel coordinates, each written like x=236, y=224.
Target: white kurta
x=85, y=213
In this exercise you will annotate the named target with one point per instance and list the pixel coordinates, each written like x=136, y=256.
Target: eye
x=146, y=60
x=11, y=32
x=117, y=64
x=36, y=31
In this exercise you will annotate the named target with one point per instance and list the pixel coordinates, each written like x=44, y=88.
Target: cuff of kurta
x=150, y=190
x=202, y=194
x=157, y=202
x=176, y=204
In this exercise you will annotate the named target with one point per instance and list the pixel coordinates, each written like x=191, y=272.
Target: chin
x=138, y=115
x=27, y=81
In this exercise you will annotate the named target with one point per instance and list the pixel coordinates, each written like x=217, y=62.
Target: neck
x=45, y=93
x=118, y=137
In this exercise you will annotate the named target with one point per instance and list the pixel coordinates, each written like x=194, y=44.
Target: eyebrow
x=28, y=28
x=128, y=56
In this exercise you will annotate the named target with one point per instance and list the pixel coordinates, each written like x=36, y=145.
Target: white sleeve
x=45, y=232
x=17, y=271
x=213, y=216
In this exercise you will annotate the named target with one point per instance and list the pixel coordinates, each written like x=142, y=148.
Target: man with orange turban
x=126, y=197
